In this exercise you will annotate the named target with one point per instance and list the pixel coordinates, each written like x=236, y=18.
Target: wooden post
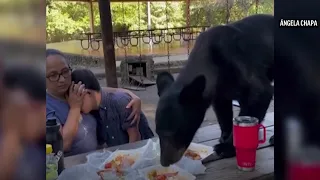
x=91, y=17
x=188, y=12
x=108, y=47
x=149, y=14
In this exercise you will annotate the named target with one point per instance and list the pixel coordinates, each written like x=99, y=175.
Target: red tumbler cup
x=304, y=163
x=298, y=171
x=246, y=141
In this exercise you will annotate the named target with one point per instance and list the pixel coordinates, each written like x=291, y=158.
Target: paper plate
x=182, y=174
x=135, y=154
x=203, y=150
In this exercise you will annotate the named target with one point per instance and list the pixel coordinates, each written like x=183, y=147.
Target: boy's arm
x=121, y=101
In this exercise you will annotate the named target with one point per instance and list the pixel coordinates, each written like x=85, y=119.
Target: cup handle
x=264, y=134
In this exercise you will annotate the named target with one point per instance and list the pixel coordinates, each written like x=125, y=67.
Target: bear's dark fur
x=228, y=62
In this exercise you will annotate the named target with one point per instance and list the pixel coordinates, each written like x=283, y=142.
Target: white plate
x=203, y=150
x=182, y=175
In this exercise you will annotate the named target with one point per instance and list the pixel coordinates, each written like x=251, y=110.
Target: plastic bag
x=194, y=167
x=127, y=175
x=96, y=159
x=144, y=158
x=79, y=172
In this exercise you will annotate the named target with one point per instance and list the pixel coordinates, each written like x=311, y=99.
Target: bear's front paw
x=271, y=140
x=224, y=137
x=225, y=150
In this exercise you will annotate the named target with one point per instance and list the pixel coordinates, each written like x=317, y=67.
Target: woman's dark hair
x=87, y=78
x=50, y=52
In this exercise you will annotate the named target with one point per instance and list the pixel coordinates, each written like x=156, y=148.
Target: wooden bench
x=217, y=168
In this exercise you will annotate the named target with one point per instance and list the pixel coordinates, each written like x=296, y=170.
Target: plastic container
x=51, y=164
x=54, y=137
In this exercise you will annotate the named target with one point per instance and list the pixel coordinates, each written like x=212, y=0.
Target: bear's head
x=179, y=114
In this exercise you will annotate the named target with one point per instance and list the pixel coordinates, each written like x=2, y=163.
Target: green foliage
x=165, y=15
x=68, y=20
x=65, y=21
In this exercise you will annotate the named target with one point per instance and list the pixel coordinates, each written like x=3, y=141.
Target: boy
x=111, y=113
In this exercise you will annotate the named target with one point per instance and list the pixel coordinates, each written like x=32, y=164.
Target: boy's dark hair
x=87, y=78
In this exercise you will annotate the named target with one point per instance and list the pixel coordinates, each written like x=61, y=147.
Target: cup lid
x=248, y=120
x=51, y=121
x=48, y=148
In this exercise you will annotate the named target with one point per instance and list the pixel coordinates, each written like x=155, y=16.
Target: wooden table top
x=217, y=168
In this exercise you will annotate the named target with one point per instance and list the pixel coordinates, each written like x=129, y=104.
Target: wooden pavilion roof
x=124, y=0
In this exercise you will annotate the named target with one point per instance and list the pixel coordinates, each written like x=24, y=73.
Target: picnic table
x=217, y=168
x=131, y=37
x=92, y=39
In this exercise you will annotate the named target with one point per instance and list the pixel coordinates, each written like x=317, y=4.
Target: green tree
x=68, y=20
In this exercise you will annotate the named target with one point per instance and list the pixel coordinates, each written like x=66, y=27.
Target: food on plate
x=192, y=154
x=120, y=161
x=154, y=175
x=117, y=165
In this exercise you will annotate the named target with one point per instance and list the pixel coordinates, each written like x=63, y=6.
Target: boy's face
x=89, y=102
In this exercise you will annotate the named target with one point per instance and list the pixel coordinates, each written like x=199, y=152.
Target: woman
x=64, y=100
x=110, y=109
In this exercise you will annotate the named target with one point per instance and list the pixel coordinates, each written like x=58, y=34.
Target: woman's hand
x=76, y=94
x=135, y=104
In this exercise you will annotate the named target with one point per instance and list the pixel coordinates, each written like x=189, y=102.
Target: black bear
x=228, y=62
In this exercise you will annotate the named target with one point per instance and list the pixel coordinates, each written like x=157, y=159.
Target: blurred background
x=22, y=32
x=22, y=89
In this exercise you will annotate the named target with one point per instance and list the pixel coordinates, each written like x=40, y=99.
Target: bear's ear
x=164, y=81
x=192, y=93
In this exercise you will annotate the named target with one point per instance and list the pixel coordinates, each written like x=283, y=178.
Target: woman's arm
x=132, y=128
x=70, y=128
x=134, y=134
x=112, y=90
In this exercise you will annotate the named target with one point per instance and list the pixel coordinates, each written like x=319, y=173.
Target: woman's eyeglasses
x=56, y=76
